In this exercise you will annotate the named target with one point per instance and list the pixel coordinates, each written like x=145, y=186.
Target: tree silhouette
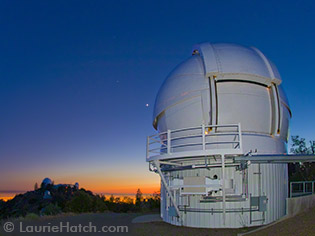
x=302, y=171
x=139, y=198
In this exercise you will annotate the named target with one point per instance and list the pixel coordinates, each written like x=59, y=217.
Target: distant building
x=47, y=195
x=60, y=185
x=46, y=181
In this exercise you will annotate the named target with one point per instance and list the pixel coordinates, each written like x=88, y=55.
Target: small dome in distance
x=46, y=181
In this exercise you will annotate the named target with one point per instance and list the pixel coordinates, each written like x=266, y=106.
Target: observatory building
x=219, y=115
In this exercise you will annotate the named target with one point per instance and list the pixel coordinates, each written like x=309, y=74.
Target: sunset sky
x=75, y=78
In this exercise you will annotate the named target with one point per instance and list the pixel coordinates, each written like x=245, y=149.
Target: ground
x=302, y=224
x=161, y=228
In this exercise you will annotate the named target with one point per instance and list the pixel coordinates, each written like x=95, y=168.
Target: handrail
x=200, y=138
x=186, y=136
x=153, y=135
x=304, y=191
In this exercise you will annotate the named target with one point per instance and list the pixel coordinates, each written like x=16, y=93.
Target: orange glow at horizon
x=7, y=198
x=122, y=185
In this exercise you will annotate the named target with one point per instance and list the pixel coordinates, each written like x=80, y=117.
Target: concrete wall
x=299, y=204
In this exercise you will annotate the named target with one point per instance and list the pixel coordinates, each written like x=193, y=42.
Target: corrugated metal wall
x=271, y=183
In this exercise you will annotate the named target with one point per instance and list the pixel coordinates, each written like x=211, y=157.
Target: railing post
x=240, y=136
x=148, y=141
x=291, y=190
x=203, y=137
x=303, y=188
x=313, y=182
x=168, y=141
x=223, y=186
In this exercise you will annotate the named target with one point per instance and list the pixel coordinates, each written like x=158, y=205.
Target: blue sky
x=75, y=77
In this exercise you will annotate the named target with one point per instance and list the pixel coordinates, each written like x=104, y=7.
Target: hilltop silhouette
x=52, y=199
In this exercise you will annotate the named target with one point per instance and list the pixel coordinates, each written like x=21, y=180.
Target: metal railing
x=201, y=138
x=302, y=188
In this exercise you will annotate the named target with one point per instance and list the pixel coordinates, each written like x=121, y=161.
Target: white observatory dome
x=224, y=102
x=46, y=181
x=246, y=89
